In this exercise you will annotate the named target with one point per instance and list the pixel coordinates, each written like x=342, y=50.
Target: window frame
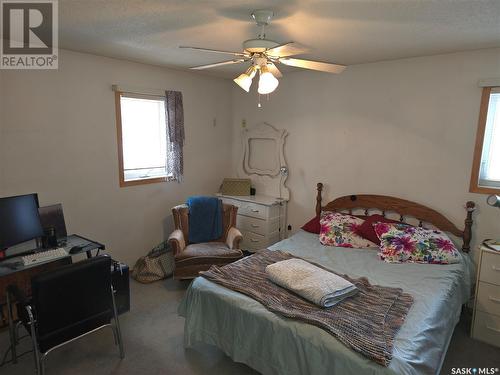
x=478, y=148
x=118, y=109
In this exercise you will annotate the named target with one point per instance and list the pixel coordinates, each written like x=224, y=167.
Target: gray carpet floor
x=153, y=338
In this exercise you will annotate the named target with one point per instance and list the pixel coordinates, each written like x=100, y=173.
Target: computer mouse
x=75, y=249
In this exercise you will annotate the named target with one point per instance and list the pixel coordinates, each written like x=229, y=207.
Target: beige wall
x=404, y=128
x=58, y=138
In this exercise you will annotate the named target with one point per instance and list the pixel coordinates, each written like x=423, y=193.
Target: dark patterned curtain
x=175, y=128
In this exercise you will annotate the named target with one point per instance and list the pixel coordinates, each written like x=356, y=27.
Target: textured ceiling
x=340, y=31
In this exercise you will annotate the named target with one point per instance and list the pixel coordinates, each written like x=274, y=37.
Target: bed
x=247, y=332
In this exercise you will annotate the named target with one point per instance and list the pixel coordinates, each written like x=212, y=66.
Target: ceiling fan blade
x=287, y=49
x=314, y=65
x=215, y=51
x=200, y=67
x=274, y=70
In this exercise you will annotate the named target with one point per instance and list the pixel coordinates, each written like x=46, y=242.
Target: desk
x=13, y=271
x=76, y=240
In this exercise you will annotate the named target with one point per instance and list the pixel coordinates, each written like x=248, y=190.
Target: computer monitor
x=19, y=220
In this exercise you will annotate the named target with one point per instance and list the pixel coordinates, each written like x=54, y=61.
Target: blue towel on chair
x=205, y=219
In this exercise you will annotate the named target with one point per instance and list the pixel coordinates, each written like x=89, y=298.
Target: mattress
x=249, y=333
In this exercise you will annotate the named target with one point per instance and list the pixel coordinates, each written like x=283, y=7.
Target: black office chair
x=67, y=304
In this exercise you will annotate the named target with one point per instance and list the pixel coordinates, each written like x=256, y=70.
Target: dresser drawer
x=253, y=241
x=259, y=226
x=253, y=210
x=488, y=298
x=487, y=328
x=252, y=224
x=490, y=268
x=234, y=202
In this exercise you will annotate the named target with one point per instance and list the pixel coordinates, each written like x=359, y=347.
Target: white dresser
x=486, y=319
x=261, y=220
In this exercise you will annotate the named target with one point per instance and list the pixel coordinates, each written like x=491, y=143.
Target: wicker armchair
x=190, y=259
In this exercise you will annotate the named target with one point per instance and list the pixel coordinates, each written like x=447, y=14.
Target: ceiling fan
x=264, y=54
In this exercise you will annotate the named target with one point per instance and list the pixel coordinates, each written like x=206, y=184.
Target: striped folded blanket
x=366, y=322
x=324, y=288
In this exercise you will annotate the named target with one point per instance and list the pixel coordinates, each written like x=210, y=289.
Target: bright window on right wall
x=485, y=177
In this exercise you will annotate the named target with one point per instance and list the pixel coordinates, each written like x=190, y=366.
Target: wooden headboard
x=401, y=207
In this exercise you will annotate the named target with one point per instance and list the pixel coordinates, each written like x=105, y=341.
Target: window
x=485, y=176
x=142, y=138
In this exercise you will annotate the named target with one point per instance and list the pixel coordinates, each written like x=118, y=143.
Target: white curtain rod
x=489, y=82
x=139, y=90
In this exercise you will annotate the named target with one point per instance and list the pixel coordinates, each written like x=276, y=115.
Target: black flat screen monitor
x=19, y=220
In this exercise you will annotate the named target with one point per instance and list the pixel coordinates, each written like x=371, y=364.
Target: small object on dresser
x=486, y=319
x=491, y=244
x=236, y=186
x=493, y=200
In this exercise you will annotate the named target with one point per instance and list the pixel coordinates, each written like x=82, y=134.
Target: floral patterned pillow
x=403, y=243
x=340, y=230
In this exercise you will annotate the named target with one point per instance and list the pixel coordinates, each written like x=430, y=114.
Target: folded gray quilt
x=315, y=284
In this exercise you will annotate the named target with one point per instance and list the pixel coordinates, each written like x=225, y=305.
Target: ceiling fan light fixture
x=244, y=80
x=267, y=82
x=264, y=55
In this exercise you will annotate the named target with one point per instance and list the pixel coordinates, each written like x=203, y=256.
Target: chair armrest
x=18, y=294
x=234, y=238
x=177, y=241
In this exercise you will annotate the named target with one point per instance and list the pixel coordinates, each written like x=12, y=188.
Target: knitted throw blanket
x=366, y=322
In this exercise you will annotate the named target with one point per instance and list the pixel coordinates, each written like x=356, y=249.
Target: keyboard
x=44, y=256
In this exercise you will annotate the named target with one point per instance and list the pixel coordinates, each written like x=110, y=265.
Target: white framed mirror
x=263, y=158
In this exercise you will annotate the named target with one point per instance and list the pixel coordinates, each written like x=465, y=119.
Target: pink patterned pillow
x=401, y=243
x=340, y=230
